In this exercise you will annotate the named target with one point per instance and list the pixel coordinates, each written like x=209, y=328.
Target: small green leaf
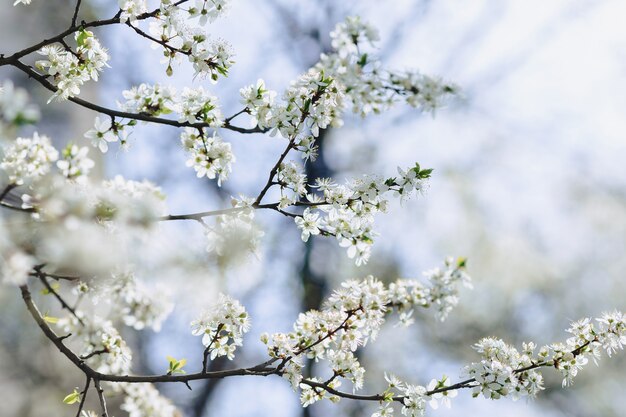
x=176, y=365
x=83, y=35
x=55, y=286
x=72, y=398
x=50, y=319
x=363, y=60
x=425, y=173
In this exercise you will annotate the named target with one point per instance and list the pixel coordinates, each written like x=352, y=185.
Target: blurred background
x=529, y=185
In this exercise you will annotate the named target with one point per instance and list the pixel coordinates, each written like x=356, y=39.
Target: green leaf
x=176, y=365
x=50, y=319
x=363, y=60
x=55, y=286
x=83, y=35
x=425, y=173
x=72, y=398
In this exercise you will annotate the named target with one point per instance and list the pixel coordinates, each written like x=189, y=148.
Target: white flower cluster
x=131, y=202
x=350, y=318
x=71, y=69
x=442, y=292
x=414, y=397
x=135, y=304
x=152, y=100
x=312, y=102
x=74, y=163
x=210, y=156
x=586, y=342
x=131, y=9
x=195, y=105
x=504, y=371
x=208, y=10
x=349, y=34
x=497, y=374
x=222, y=327
x=198, y=105
x=368, y=86
x=28, y=158
x=291, y=179
x=171, y=29
x=15, y=265
x=235, y=235
x=100, y=344
x=15, y=109
x=346, y=211
x=75, y=223
x=422, y=91
x=259, y=103
x=144, y=400
x=103, y=133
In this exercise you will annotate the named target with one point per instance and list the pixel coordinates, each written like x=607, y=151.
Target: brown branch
x=7, y=190
x=263, y=369
x=83, y=396
x=121, y=114
x=75, y=15
x=205, y=359
x=103, y=403
x=273, y=172
x=51, y=290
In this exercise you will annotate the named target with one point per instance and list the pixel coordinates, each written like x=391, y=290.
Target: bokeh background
x=529, y=184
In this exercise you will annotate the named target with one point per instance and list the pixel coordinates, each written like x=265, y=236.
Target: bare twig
x=83, y=396
x=103, y=402
x=75, y=15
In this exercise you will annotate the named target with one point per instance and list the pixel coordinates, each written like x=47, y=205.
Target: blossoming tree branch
x=57, y=220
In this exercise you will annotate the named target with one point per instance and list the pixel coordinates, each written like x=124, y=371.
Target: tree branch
x=75, y=15
x=120, y=114
x=83, y=395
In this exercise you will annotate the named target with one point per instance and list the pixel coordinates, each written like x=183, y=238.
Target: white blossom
x=222, y=327
x=210, y=156
x=101, y=134
x=28, y=158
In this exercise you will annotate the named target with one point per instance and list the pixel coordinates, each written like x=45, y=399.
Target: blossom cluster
x=145, y=400
x=352, y=316
x=15, y=109
x=153, y=100
x=497, y=374
x=74, y=163
x=131, y=9
x=171, y=30
x=28, y=158
x=134, y=303
x=371, y=88
x=99, y=343
x=346, y=211
x=234, y=235
x=209, y=155
x=312, y=102
x=71, y=69
x=441, y=293
x=102, y=348
x=222, y=327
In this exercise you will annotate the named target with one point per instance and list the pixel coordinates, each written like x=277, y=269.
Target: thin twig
x=52, y=291
x=75, y=15
x=120, y=114
x=83, y=396
x=6, y=191
x=103, y=402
